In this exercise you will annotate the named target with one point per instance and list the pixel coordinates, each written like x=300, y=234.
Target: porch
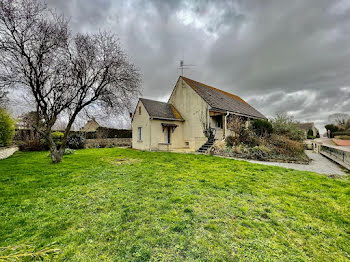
x=219, y=121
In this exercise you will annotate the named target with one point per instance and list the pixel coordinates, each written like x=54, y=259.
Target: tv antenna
x=183, y=66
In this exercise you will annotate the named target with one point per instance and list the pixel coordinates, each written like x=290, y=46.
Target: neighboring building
x=192, y=109
x=309, y=126
x=90, y=126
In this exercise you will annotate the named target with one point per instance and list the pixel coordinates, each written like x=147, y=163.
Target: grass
x=124, y=205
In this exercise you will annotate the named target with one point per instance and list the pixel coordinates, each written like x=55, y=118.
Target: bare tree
x=340, y=119
x=3, y=98
x=237, y=126
x=64, y=73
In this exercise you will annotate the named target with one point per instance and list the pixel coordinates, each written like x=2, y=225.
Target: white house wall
x=194, y=110
x=144, y=122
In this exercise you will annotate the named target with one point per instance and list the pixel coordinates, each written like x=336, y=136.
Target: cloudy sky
x=280, y=56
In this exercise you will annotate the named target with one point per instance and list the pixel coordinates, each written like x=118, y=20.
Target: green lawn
x=125, y=205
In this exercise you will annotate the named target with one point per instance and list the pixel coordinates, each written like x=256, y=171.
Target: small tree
x=339, y=119
x=238, y=126
x=7, y=128
x=64, y=73
x=285, y=125
x=261, y=127
x=332, y=128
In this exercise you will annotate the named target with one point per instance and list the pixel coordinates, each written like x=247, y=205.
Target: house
x=90, y=126
x=183, y=122
x=306, y=127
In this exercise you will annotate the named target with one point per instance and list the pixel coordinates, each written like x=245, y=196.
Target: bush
x=76, y=141
x=342, y=133
x=284, y=125
x=230, y=141
x=251, y=139
x=219, y=146
x=68, y=151
x=284, y=145
x=57, y=138
x=7, y=128
x=343, y=137
x=332, y=128
x=260, y=152
x=261, y=127
x=57, y=135
x=33, y=145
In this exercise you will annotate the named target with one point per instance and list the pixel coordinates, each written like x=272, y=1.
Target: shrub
x=68, y=151
x=332, y=128
x=57, y=135
x=7, y=128
x=251, y=139
x=342, y=133
x=57, y=138
x=343, y=137
x=284, y=145
x=261, y=127
x=219, y=146
x=260, y=152
x=284, y=125
x=33, y=145
x=230, y=141
x=76, y=141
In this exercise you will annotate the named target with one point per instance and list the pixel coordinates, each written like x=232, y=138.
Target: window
x=140, y=133
x=139, y=110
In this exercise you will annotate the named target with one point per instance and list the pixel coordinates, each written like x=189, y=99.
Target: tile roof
x=161, y=110
x=222, y=100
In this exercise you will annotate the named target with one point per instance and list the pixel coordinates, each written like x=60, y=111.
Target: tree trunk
x=56, y=156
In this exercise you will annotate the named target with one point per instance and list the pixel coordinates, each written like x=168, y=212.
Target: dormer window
x=139, y=110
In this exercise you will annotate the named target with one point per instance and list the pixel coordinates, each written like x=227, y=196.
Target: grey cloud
x=291, y=56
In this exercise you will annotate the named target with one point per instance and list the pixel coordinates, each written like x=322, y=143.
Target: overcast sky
x=280, y=56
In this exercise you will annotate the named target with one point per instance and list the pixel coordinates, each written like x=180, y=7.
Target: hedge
x=341, y=133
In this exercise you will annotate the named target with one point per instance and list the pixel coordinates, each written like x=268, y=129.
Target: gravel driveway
x=319, y=164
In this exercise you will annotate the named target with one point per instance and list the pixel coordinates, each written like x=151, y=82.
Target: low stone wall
x=7, y=151
x=107, y=142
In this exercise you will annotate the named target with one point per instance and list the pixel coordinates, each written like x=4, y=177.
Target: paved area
x=329, y=142
x=6, y=152
x=319, y=164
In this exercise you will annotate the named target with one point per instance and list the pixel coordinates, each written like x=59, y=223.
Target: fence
x=337, y=155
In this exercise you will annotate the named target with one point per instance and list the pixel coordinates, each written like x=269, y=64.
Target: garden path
x=319, y=164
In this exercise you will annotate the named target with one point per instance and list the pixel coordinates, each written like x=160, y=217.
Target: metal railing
x=338, y=155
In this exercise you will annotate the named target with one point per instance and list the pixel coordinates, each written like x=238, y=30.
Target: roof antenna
x=183, y=66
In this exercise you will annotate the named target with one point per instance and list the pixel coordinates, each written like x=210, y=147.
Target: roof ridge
x=216, y=89
x=141, y=98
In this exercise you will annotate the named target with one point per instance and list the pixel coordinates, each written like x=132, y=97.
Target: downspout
x=225, y=129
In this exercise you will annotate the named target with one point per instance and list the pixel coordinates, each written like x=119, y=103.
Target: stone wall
x=107, y=142
x=7, y=151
